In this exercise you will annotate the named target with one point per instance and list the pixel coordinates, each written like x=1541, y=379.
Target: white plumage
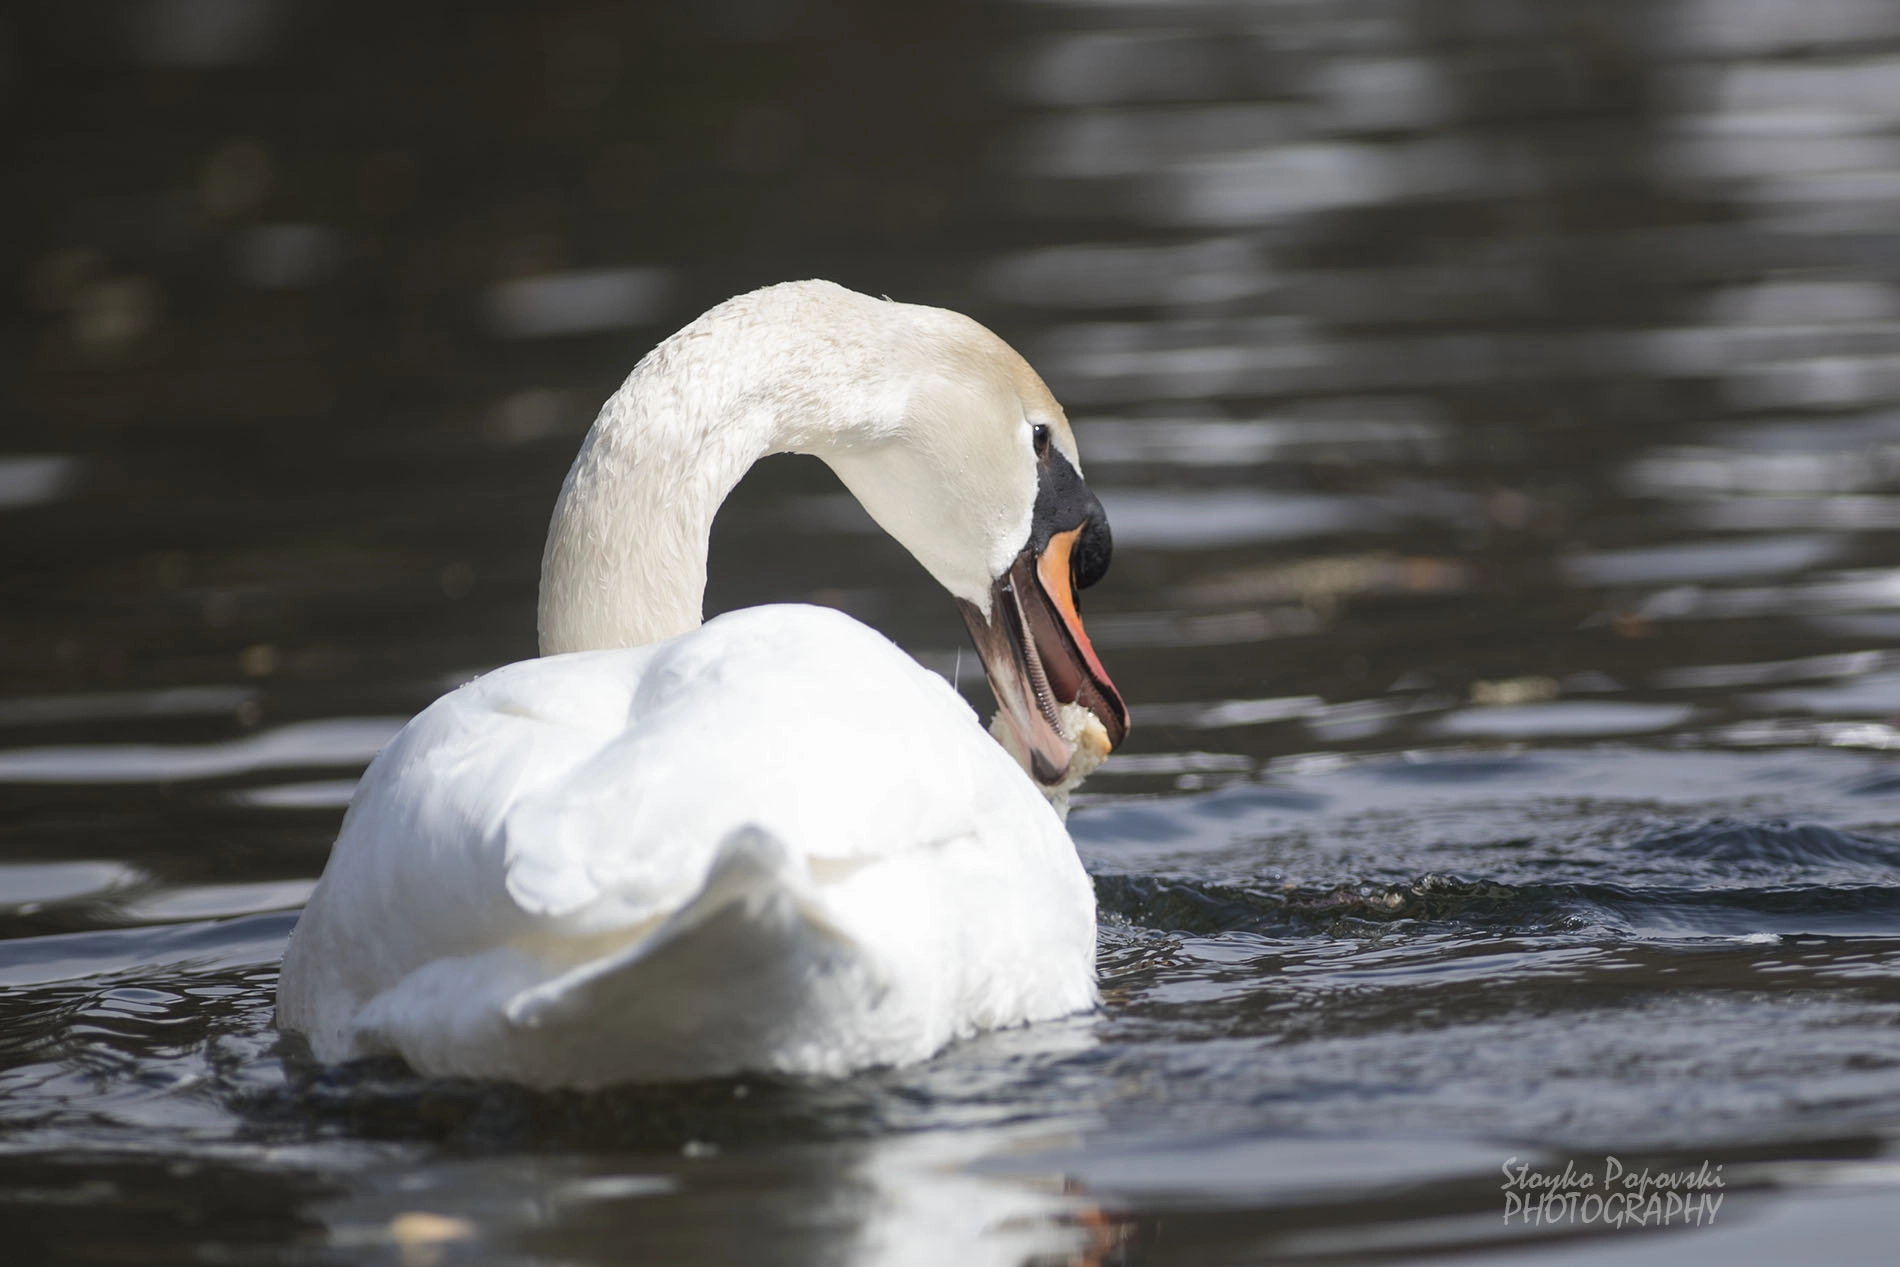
x=773, y=842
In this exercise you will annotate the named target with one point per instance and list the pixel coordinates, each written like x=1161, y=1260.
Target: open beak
x=1039, y=659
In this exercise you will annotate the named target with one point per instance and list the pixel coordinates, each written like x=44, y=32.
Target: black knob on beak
x=1093, y=549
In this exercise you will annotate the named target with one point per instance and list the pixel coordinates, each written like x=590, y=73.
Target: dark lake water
x=1497, y=405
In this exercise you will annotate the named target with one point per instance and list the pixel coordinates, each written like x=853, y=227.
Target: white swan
x=774, y=842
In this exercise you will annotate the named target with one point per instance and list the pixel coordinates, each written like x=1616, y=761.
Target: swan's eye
x=1039, y=435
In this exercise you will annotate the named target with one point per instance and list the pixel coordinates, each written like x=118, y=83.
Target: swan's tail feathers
x=752, y=879
x=752, y=964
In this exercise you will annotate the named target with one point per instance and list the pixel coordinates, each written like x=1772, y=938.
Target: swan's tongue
x=1038, y=660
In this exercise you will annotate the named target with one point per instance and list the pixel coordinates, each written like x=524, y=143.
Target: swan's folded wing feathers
x=796, y=721
x=430, y=813
x=749, y=869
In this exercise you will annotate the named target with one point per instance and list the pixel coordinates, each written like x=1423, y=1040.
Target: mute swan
x=772, y=842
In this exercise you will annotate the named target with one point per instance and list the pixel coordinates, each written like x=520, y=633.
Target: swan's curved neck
x=923, y=414
x=625, y=563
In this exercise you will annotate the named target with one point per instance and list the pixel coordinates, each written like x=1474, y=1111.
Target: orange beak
x=1038, y=657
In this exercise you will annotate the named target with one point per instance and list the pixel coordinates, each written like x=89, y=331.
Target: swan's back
x=772, y=843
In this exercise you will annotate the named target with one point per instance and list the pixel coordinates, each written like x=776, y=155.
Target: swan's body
x=859, y=890
x=773, y=842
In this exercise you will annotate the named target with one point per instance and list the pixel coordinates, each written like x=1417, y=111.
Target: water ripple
x=331, y=742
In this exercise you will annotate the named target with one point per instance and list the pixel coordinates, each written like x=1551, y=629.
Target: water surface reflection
x=1498, y=408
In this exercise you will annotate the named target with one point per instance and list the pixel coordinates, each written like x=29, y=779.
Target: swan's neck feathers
x=872, y=387
x=625, y=563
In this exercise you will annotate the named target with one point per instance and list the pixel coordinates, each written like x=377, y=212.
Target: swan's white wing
x=535, y=844
x=799, y=721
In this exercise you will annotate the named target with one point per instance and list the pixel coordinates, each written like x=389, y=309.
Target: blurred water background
x=1497, y=404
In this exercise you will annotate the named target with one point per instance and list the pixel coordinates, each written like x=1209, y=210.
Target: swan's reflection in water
x=935, y=1166
x=921, y=1198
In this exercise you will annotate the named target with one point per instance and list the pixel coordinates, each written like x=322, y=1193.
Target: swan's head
x=971, y=466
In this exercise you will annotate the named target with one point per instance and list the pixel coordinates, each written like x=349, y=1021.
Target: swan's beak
x=1038, y=658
